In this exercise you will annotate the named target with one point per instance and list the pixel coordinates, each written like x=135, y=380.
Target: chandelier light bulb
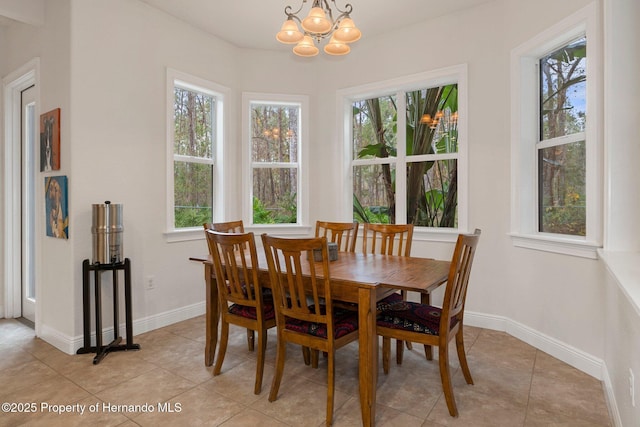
x=306, y=47
x=336, y=47
x=347, y=32
x=289, y=33
x=316, y=21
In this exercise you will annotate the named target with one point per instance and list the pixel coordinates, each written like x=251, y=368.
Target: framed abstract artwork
x=50, y=141
x=56, y=206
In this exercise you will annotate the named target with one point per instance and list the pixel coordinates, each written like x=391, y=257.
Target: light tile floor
x=515, y=385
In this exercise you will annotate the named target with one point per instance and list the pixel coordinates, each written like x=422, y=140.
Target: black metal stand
x=100, y=350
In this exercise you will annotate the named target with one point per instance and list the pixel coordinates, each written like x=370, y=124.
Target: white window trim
x=524, y=137
x=345, y=97
x=222, y=96
x=302, y=226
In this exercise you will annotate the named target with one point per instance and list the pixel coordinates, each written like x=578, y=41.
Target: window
x=195, y=139
x=276, y=134
x=561, y=145
x=556, y=139
x=408, y=153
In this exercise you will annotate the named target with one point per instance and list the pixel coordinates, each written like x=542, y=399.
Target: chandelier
x=319, y=25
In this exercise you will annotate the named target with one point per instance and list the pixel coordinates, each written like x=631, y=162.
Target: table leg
x=212, y=315
x=368, y=349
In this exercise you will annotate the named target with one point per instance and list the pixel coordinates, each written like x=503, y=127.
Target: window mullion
x=561, y=140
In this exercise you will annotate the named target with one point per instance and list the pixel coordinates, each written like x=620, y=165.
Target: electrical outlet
x=150, y=282
x=632, y=387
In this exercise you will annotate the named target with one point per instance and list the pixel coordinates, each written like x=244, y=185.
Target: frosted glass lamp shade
x=316, y=21
x=347, y=32
x=289, y=33
x=306, y=47
x=336, y=47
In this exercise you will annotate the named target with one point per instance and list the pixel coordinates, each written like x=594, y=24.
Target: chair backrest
x=342, y=233
x=458, y=281
x=223, y=227
x=394, y=239
x=237, y=282
x=298, y=291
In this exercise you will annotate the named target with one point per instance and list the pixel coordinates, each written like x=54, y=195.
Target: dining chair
x=242, y=299
x=236, y=226
x=390, y=239
x=225, y=227
x=387, y=239
x=436, y=326
x=344, y=234
x=305, y=314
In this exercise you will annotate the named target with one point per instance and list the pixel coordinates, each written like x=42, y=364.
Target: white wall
x=120, y=52
x=3, y=72
x=104, y=65
x=622, y=232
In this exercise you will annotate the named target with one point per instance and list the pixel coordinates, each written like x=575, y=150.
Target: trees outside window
x=193, y=159
x=561, y=147
x=414, y=132
x=275, y=162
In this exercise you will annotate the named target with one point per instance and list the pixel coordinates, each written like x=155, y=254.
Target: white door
x=29, y=144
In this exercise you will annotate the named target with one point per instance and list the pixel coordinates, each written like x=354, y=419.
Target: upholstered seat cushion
x=388, y=301
x=250, y=312
x=412, y=316
x=344, y=322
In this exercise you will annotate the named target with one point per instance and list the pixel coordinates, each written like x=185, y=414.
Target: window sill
x=185, y=235
x=565, y=246
x=197, y=233
x=625, y=268
x=437, y=235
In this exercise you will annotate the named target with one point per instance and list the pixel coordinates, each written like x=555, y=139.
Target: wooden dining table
x=363, y=279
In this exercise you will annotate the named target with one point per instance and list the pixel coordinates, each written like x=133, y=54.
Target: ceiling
x=254, y=23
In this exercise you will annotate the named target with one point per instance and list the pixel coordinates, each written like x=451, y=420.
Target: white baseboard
x=558, y=349
x=70, y=344
x=611, y=397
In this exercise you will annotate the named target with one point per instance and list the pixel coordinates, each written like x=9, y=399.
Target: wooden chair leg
x=250, y=339
x=331, y=374
x=399, y=351
x=445, y=377
x=314, y=358
x=222, y=347
x=262, y=348
x=428, y=352
x=306, y=355
x=462, y=357
x=281, y=354
x=386, y=354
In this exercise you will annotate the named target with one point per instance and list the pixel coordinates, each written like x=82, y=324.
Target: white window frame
x=525, y=139
x=302, y=224
x=221, y=96
x=444, y=76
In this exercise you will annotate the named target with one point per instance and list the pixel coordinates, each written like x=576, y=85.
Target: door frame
x=13, y=85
